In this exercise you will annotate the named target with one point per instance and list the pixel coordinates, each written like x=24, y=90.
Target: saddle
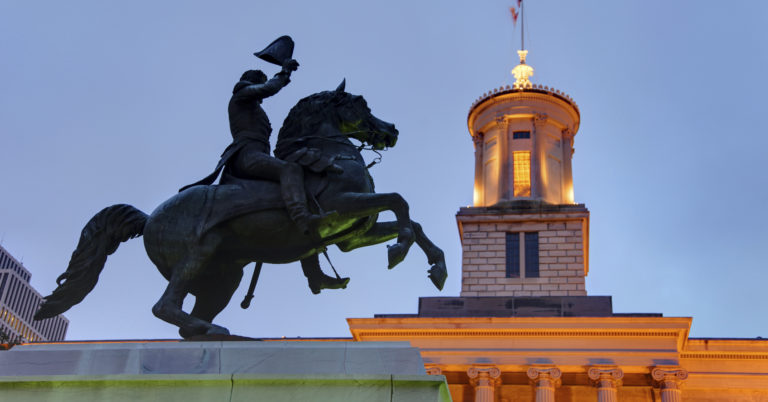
x=235, y=197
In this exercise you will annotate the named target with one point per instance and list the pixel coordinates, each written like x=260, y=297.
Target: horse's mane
x=306, y=117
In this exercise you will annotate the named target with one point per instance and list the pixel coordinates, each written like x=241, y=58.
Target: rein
x=331, y=138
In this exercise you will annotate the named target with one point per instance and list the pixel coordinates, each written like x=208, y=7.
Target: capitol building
x=524, y=327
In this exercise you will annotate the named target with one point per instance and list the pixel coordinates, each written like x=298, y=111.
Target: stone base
x=218, y=371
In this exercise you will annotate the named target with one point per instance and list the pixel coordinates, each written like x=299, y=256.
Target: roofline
x=540, y=89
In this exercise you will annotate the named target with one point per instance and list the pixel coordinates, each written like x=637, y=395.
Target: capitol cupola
x=523, y=136
x=524, y=235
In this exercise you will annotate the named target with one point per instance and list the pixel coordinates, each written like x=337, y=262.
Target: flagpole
x=522, y=26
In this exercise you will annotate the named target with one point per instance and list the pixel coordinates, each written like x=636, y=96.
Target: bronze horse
x=203, y=237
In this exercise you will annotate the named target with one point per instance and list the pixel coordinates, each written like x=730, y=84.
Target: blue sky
x=108, y=102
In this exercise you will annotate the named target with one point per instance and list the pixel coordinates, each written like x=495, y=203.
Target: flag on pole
x=515, y=14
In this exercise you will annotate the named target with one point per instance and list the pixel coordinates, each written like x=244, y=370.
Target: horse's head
x=356, y=121
x=346, y=113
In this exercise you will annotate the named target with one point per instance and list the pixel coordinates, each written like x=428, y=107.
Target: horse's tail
x=99, y=238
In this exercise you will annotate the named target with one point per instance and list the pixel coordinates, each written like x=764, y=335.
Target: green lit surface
x=225, y=387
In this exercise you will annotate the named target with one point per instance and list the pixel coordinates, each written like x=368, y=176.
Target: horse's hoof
x=438, y=274
x=185, y=333
x=396, y=254
x=217, y=330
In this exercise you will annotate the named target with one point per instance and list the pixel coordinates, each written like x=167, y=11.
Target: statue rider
x=248, y=156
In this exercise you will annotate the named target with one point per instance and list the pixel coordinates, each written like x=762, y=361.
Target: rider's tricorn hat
x=280, y=50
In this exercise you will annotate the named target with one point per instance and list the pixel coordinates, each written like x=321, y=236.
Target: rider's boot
x=317, y=279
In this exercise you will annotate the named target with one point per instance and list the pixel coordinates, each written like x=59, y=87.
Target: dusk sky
x=105, y=102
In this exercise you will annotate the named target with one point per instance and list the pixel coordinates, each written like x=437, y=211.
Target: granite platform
x=218, y=371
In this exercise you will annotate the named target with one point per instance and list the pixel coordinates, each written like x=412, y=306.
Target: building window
x=521, y=163
x=531, y=254
x=521, y=135
x=513, y=255
x=3, y=277
x=522, y=250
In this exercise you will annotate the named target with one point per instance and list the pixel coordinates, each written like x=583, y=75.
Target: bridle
x=359, y=148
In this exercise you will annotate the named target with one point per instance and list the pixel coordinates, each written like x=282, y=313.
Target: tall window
x=522, y=250
x=531, y=254
x=521, y=162
x=513, y=255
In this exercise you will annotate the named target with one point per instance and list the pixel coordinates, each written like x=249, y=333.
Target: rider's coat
x=248, y=123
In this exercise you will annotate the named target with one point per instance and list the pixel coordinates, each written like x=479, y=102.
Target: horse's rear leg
x=212, y=298
x=168, y=308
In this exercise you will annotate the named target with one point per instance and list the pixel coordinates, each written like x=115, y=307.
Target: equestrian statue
x=315, y=192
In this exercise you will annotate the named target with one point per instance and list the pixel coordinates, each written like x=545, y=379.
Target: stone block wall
x=563, y=249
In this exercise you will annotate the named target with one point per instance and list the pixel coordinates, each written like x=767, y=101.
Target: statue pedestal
x=218, y=371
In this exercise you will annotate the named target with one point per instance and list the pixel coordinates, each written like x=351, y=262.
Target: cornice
x=537, y=88
x=472, y=329
x=537, y=93
x=724, y=356
x=505, y=333
x=526, y=323
x=521, y=216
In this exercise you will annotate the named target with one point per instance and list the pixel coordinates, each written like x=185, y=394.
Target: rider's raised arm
x=272, y=86
x=266, y=89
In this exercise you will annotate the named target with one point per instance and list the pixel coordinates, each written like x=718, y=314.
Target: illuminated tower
x=524, y=235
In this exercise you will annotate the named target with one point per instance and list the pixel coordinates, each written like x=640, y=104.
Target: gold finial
x=522, y=72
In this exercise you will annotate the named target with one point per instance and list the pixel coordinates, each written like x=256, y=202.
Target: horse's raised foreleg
x=383, y=231
x=358, y=205
x=377, y=234
x=438, y=273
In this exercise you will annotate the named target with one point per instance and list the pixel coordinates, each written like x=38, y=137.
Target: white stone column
x=668, y=380
x=478, y=198
x=607, y=379
x=566, y=145
x=545, y=380
x=485, y=380
x=505, y=159
x=538, y=158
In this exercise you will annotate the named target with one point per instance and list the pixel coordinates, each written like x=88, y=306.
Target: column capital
x=478, y=138
x=542, y=374
x=668, y=376
x=485, y=379
x=567, y=133
x=605, y=376
x=484, y=375
x=434, y=370
x=501, y=120
x=540, y=118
